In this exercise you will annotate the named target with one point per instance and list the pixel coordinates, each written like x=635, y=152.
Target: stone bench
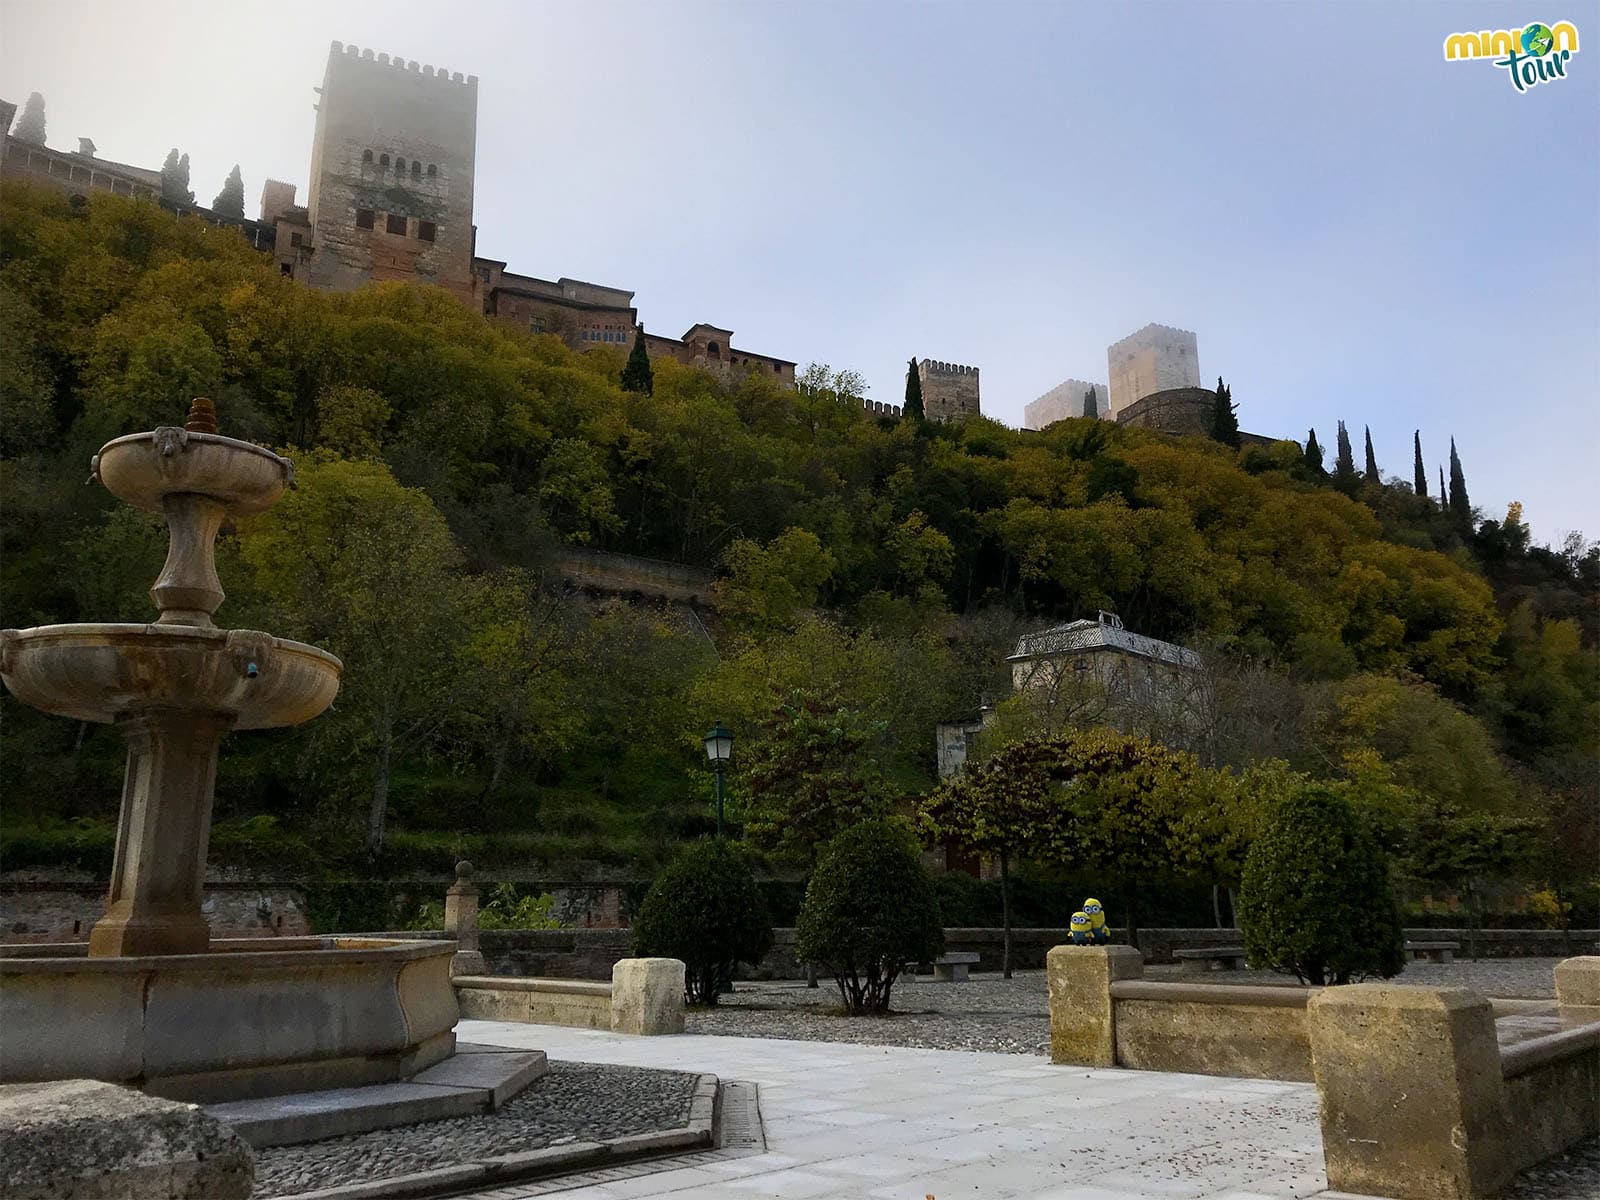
x=953, y=967
x=1440, y=952
x=1212, y=958
x=645, y=996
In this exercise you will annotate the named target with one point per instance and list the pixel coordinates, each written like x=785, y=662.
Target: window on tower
x=427, y=230
x=397, y=224
x=364, y=218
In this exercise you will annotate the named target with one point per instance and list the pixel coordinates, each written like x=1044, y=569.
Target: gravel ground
x=574, y=1102
x=1575, y=1175
x=1012, y=1016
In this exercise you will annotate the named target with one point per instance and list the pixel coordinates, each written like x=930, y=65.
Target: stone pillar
x=1082, y=1028
x=1412, y=1099
x=647, y=996
x=461, y=921
x=163, y=827
x=1578, y=984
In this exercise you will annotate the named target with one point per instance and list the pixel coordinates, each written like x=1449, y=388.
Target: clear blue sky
x=1353, y=227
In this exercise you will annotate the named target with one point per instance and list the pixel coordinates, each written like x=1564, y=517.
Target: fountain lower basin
x=237, y=1022
x=104, y=672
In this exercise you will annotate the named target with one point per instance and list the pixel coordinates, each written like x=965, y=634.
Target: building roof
x=1103, y=633
x=708, y=328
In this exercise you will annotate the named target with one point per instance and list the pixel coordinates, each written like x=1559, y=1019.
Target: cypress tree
x=1444, y=496
x=1460, y=506
x=30, y=125
x=1091, y=404
x=1344, y=462
x=1313, y=457
x=175, y=179
x=636, y=373
x=230, y=200
x=1372, y=459
x=912, y=410
x=1224, y=417
x=1419, y=473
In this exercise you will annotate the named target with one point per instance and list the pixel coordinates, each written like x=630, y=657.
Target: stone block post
x=1578, y=985
x=1410, y=1084
x=461, y=922
x=647, y=996
x=1082, y=1027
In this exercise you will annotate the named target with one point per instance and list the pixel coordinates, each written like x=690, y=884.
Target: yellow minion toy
x=1081, y=935
x=1099, y=931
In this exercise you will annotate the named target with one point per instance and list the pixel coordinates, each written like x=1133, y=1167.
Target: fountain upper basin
x=100, y=672
x=144, y=468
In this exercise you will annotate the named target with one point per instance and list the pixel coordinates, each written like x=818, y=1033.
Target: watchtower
x=1154, y=359
x=392, y=166
x=949, y=391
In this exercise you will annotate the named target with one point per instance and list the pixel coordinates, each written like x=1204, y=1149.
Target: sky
x=1354, y=227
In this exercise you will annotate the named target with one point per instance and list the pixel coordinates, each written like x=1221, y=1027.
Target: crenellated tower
x=949, y=390
x=1155, y=359
x=392, y=173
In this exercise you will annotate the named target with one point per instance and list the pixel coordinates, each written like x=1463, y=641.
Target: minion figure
x=1099, y=931
x=1081, y=933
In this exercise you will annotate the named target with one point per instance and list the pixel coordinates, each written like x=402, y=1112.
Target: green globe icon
x=1537, y=39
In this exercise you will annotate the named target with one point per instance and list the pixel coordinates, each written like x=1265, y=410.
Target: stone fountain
x=153, y=999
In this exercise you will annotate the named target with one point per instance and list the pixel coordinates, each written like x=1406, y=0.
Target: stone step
x=475, y=1079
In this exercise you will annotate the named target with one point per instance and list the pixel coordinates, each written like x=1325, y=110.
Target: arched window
x=366, y=156
x=714, y=350
x=383, y=160
x=416, y=170
x=432, y=170
x=399, y=164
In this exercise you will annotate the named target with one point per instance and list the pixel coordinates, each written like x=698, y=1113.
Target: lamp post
x=719, y=748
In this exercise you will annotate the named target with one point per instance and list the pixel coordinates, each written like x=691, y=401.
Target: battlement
x=930, y=366
x=1153, y=332
x=356, y=54
x=876, y=408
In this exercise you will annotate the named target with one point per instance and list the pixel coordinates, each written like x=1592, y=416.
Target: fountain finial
x=202, y=416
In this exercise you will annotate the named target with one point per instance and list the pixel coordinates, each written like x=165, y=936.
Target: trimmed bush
x=705, y=909
x=1316, y=900
x=869, y=909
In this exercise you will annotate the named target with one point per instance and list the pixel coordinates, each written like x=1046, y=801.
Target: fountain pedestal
x=165, y=822
x=152, y=1001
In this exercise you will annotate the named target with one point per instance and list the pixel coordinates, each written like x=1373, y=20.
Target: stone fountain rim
x=149, y=435
x=71, y=958
x=151, y=494
x=155, y=631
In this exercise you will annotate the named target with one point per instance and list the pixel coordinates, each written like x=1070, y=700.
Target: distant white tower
x=1154, y=359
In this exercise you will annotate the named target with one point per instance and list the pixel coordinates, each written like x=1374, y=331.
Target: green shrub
x=869, y=909
x=1316, y=899
x=705, y=909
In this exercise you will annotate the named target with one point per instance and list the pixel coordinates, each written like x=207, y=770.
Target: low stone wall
x=581, y=1004
x=1212, y=1029
x=644, y=996
x=1158, y=945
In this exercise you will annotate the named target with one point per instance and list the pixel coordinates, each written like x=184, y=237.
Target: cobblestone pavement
x=574, y=1101
x=1012, y=1016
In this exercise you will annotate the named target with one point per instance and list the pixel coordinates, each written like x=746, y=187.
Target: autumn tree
x=230, y=200
x=355, y=563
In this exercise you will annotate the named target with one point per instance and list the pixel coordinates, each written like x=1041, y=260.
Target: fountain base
x=235, y=1023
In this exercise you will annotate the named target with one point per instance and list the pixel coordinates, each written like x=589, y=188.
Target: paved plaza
x=872, y=1121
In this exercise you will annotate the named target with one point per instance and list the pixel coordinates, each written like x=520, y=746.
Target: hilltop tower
x=1154, y=359
x=949, y=391
x=391, y=173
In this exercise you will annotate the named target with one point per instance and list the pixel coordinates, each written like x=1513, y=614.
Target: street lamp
x=719, y=748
